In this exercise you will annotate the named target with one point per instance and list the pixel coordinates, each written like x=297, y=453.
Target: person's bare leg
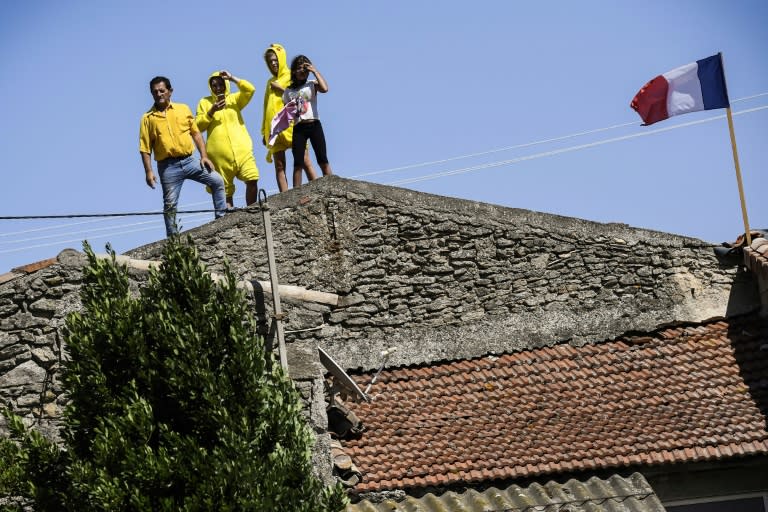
x=326, y=168
x=230, y=204
x=252, y=191
x=297, y=176
x=282, y=181
x=308, y=169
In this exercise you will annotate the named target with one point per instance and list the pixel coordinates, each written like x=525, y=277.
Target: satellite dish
x=340, y=378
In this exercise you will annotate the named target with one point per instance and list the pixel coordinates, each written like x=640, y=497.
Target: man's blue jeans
x=173, y=172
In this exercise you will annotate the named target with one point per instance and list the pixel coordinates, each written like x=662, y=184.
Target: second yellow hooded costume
x=228, y=144
x=273, y=102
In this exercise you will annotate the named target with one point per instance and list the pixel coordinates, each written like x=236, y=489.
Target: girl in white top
x=307, y=126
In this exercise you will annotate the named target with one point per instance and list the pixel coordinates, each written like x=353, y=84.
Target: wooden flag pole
x=738, y=177
x=736, y=162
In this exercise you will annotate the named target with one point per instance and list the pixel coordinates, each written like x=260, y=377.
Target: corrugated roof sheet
x=682, y=394
x=616, y=494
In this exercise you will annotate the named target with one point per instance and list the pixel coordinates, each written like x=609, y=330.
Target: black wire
x=127, y=214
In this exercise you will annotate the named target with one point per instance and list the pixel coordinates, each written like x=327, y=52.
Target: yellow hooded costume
x=273, y=102
x=228, y=144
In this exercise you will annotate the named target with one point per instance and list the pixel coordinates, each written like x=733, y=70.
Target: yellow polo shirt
x=168, y=134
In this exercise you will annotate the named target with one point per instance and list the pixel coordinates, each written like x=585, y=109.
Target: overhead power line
x=191, y=221
x=90, y=221
x=77, y=240
x=72, y=233
x=491, y=151
x=48, y=228
x=442, y=173
x=524, y=145
x=86, y=215
x=106, y=216
x=564, y=150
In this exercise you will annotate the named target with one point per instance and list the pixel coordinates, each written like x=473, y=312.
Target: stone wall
x=32, y=313
x=442, y=278
x=33, y=310
x=435, y=277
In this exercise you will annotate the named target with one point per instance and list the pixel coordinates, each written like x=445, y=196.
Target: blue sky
x=410, y=82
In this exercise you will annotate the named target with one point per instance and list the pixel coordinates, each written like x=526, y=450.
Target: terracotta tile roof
x=682, y=394
x=616, y=494
x=27, y=269
x=34, y=267
x=756, y=257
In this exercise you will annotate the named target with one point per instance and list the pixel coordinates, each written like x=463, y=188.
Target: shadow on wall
x=749, y=335
x=749, y=338
x=744, y=296
x=264, y=327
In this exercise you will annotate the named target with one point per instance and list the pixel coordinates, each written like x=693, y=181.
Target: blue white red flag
x=696, y=86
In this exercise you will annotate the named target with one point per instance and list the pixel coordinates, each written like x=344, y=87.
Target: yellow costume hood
x=226, y=84
x=273, y=101
x=228, y=139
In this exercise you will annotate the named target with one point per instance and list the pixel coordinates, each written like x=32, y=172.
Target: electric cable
x=107, y=235
x=86, y=215
x=524, y=145
x=106, y=216
x=463, y=170
x=491, y=151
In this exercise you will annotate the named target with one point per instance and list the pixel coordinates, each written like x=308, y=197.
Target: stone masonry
x=442, y=278
x=435, y=277
x=32, y=313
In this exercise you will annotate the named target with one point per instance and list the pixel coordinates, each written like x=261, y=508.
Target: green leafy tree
x=174, y=404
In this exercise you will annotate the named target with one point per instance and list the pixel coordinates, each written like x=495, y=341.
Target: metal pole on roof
x=736, y=162
x=278, y=313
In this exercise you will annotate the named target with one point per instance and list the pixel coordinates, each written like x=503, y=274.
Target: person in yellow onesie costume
x=228, y=143
x=276, y=61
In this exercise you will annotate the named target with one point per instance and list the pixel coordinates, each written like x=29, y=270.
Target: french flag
x=696, y=86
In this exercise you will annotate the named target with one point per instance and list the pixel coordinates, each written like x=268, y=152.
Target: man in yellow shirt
x=169, y=131
x=228, y=143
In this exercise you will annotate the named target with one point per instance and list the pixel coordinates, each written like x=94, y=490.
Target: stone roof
x=681, y=394
x=615, y=494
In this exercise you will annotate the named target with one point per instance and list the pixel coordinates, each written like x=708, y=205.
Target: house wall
x=33, y=310
x=442, y=278
x=435, y=277
x=32, y=313
x=710, y=480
